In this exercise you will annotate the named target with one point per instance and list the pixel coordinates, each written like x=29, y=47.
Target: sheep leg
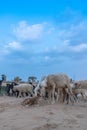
x=53, y=92
x=49, y=96
x=17, y=92
x=64, y=94
x=57, y=96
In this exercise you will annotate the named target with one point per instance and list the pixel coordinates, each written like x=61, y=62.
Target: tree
x=32, y=79
x=3, y=77
x=17, y=79
x=71, y=80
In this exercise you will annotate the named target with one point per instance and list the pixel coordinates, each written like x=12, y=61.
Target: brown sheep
x=54, y=82
x=30, y=101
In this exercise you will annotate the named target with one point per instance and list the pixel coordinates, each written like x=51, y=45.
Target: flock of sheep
x=54, y=88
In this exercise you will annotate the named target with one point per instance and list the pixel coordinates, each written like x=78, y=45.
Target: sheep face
x=43, y=83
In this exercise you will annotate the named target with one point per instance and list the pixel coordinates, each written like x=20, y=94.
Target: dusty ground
x=14, y=116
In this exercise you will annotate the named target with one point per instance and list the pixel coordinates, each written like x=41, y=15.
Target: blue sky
x=38, y=38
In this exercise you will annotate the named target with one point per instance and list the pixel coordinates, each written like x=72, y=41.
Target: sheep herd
x=54, y=88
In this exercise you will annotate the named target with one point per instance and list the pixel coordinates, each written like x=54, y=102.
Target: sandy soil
x=14, y=116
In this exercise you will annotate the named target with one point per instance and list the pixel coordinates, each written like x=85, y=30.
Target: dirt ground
x=14, y=116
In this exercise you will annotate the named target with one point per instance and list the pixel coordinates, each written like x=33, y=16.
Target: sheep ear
x=46, y=80
x=38, y=94
x=76, y=84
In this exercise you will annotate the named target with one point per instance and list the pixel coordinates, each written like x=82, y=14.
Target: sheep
x=81, y=84
x=58, y=82
x=76, y=90
x=30, y=101
x=9, y=88
x=53, y=82
x=22, y=89
x=39, y=85
x=80, y=91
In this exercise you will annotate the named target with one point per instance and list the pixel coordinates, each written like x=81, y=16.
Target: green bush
x=3, y=90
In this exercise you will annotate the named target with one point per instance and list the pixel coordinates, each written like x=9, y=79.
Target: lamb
x=81, y=84
x=80, y=91
x=9, y=88
x=30, y=101
x=22, y=89
x=77, y=89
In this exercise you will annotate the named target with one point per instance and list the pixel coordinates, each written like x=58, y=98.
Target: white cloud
x=47, y=58
x=8, y=48
x=66, y=46
x=13, y=45
x=52, y=39
x=28, y=32
x=79, y=48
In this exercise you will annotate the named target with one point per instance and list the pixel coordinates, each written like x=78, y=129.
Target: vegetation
x=3, y=77
x=32, y=79
x=17, y=79
x=3, y=90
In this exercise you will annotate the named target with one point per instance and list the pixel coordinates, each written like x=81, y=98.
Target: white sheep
x=23, y=88
x=82, y=92
x=41, y=84
x=77, y=89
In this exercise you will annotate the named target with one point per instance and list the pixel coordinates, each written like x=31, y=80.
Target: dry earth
x=14, y=116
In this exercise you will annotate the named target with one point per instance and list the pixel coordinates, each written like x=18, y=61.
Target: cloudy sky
x=38, y=38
